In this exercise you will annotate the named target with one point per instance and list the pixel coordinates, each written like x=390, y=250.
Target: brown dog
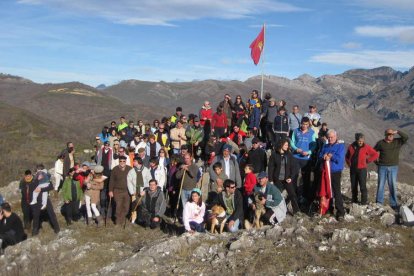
x=218, y=217
x=260, y=210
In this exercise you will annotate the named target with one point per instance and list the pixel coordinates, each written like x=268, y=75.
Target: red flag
x=257, y=47
x=325, y=191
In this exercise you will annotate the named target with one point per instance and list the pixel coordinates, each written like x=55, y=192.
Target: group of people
x=251, y=152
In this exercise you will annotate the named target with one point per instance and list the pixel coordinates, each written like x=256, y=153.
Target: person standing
x=257, y=157
x=178, y=137
x=25, y=186
x=72, y=194
x=227, y=106
x=294, y=119
x=269, y=116
x=303, y=144
x=334, y=153
x=69, y=160
x=282, y=167
x=36, y=208
x=229, y=164
x=281, y=125
x=389, y=153
x=189, y=171
x=118, y=189
x=357, y=157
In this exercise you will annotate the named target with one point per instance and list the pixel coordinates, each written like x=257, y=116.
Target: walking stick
x=178, y=199
x=107, y=209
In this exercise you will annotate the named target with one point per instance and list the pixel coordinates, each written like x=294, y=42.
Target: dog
x=260, y=210
x=218, y=218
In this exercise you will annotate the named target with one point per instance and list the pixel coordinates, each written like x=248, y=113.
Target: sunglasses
x=232, y=187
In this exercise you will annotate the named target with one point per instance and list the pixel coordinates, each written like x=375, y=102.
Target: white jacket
x=160, y=176
x=193, y=212
x=132, y=179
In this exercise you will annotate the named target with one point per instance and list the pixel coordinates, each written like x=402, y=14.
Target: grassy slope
x=26, y=140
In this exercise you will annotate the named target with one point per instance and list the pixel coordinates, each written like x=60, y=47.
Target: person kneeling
x=153, y=206
x=271, y=198
x=193, y=214
x=11, y=227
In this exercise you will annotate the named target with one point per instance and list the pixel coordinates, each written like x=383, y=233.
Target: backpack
x=407, y=216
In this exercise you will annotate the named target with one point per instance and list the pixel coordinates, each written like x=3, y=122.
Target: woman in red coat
x=219, y=123
x=357, y=157
x=206, y=113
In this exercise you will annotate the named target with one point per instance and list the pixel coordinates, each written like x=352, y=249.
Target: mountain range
x=359, y=100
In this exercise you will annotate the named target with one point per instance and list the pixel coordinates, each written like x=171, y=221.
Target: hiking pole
x=178, y=199
x=107, y=210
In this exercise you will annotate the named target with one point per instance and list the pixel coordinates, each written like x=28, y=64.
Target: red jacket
x=205, y=114
x=219, y=120
x=250, y=181
x=241, y=133
x=366, y=155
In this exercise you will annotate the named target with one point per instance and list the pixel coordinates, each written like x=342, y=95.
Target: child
x=43, y=178
x=221, y=176
x=250, y=180
x=194, y=211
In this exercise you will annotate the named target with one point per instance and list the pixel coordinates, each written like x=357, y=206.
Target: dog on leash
x=218, y=218
x=260, y=210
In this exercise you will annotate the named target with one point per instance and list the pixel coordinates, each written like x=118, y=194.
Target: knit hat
x=227, y=147
x=196, y=190
x=98, y=169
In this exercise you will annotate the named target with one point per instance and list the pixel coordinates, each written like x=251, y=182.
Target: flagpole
x=263, y=56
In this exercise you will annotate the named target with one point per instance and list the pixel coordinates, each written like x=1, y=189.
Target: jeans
x=185, y=195
x=387, y=173
x=235, y=227
x=198, y=227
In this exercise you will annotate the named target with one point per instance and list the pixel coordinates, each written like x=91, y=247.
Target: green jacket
x=67, y=191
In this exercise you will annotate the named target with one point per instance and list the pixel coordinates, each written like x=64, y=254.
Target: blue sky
x=106, y=41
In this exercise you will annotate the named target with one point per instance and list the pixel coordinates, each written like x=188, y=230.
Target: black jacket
x=238, y=205
x=274, y=166
x=258, y=158
x=281, y=123
x=12, y=226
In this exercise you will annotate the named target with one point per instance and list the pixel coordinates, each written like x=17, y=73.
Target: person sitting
x=11, y=227
x=272, y=200
x=194, y=211
x=152, y=207
x=232, y=201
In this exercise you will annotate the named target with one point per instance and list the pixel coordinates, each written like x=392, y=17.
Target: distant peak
x=101, y=86
x=306, y=77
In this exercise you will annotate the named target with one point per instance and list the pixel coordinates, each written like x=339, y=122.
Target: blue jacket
x=337, y=150
x=305, y=141
x=254, y=118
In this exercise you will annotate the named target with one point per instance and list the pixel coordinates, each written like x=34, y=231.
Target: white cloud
x=405, y=5
x=165, y=12
x=352, y=45
x=368, y=59
x=403, y=33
